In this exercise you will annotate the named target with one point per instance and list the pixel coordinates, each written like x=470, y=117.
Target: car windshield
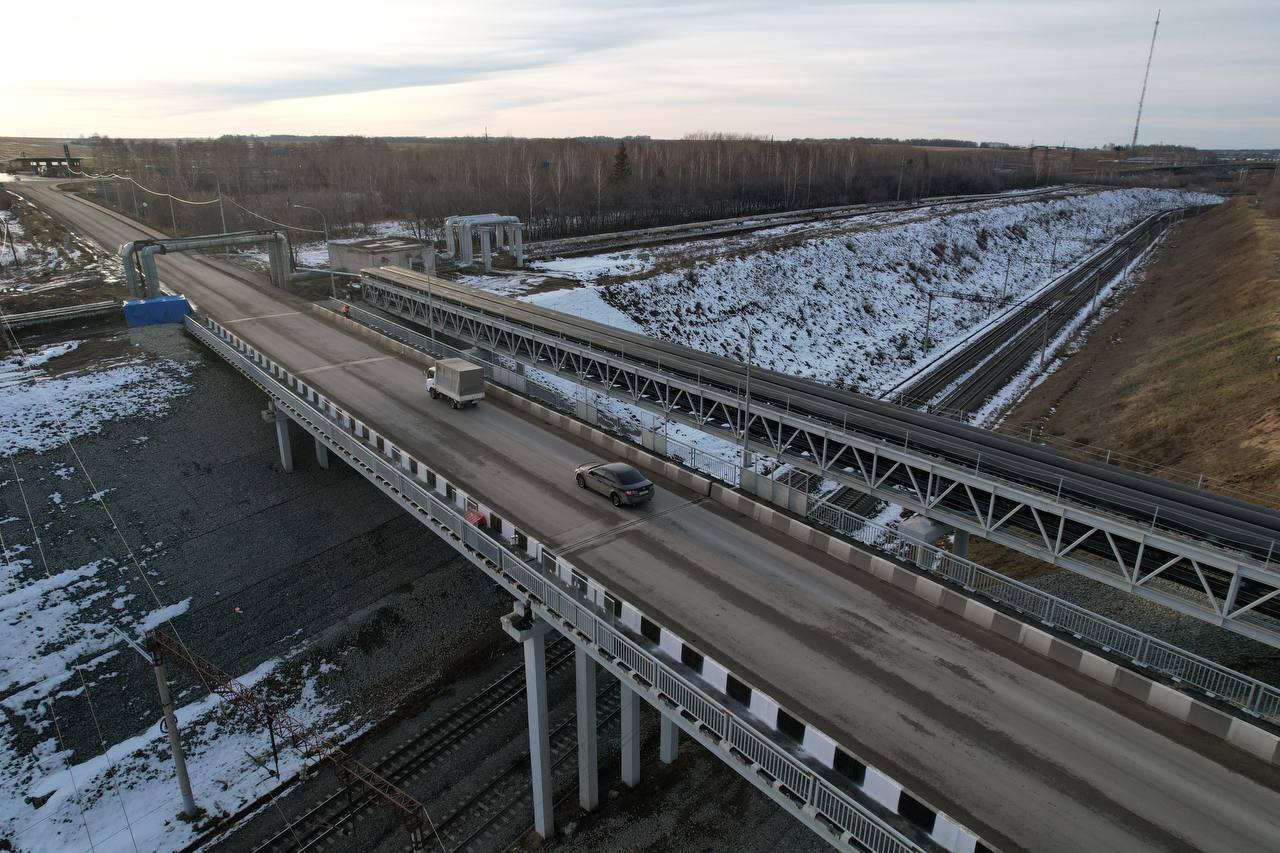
x=628, y=476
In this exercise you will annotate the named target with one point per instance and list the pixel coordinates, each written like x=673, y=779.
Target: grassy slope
x=1185, y=372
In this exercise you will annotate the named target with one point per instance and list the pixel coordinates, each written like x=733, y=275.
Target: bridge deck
x=1029, y=755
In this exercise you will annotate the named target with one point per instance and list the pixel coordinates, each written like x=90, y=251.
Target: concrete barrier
x=1244, y=734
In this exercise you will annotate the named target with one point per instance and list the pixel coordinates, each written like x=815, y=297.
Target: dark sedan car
x=622, y=483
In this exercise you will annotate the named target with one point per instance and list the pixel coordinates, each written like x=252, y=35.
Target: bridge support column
x=529, y=631
x=486, y=249
x=960, y=546
x=282, y=435
x=322, y=454
x=630, y=735
x=588, y=750
x=668, y=739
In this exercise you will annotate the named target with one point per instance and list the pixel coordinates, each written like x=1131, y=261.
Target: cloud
x=993, y=69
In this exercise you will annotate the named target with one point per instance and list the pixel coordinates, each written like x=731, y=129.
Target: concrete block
x=1098, y=668
x=1064, y=653
x=1172, y=702
x=800, y=531
x=978, y=613
x=765, y=708
x=839, y=549
x=882, y=789
x=1137, y=686
x=904, y=579
x=820, y=746
x=670, y=643
x=819, y=540
x=1012, y=629
x=860, y=559
x=882, y=568
x=1253, y=740
x=953, y=602
x=1209, y=719
x=930, y=591
x=715, y=675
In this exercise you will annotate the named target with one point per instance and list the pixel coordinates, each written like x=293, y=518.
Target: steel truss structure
x=1222, y=582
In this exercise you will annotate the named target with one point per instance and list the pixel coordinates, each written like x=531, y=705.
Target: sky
x=999, y=70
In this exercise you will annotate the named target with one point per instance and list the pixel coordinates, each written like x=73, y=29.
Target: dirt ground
x=1184, y=374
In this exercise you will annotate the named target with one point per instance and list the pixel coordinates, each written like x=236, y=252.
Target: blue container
x=161, y=309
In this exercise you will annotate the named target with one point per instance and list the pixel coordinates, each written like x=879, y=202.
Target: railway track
x=320, y=823
x=966, y=379
x=742, y=224
x=481, y=815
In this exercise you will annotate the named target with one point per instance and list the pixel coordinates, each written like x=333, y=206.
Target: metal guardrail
x=58, y=315
x=525, y=580
x=1249, y=694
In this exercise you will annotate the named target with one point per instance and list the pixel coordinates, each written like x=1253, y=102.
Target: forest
x=559, y=187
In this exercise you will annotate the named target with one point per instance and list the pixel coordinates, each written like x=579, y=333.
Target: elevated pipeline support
x=141, y=255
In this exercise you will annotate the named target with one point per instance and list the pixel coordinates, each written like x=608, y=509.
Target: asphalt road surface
x=1027, y=754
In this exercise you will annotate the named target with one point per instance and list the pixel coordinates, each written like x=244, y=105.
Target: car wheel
x=456, y=404
x=582, y=481
x=434, y=393
x=617, y=501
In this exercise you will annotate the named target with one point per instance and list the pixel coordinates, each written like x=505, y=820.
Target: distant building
x=49, y=166
x=355, y=255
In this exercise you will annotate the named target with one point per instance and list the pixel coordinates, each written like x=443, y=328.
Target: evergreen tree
x=621, y=166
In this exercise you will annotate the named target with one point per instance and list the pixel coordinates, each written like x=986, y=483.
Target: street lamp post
x=333, y=287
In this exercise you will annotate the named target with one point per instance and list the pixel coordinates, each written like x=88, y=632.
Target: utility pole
x=1007, y=268
x=173, y=216
x=333, y=287
x=1134, y=144
x=928, y=314
x=222, y=214
x=1044, y=336
x=1053, y=257
x=902, y=166
x=133, y=191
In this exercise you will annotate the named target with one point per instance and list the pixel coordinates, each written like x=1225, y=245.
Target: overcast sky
x=1019, y=71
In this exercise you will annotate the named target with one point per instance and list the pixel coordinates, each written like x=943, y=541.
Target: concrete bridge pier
x=668, y=739
x=322, y=454
x=630, y=735
x=281, y=420
x=588, y=747
x=525, y=628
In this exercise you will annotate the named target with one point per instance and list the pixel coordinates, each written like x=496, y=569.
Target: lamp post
x=333, y=287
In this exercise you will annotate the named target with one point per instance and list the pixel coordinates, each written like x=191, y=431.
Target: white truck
x=457, y=380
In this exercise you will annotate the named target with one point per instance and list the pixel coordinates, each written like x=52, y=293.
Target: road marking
x=344, y=364
x=263, y=317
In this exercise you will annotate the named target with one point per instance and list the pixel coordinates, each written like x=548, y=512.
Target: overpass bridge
x=872, y=716
x=1203, y=554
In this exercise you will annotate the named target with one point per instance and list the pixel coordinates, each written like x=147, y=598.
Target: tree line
x=559, y=187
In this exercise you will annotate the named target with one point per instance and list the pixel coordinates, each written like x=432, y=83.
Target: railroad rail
x=753, y=222
x=411, y=758
x=1200, y=553
x=965, y=379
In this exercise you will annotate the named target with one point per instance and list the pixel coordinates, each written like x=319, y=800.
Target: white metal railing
x=525, y=579
x=1254, y=696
